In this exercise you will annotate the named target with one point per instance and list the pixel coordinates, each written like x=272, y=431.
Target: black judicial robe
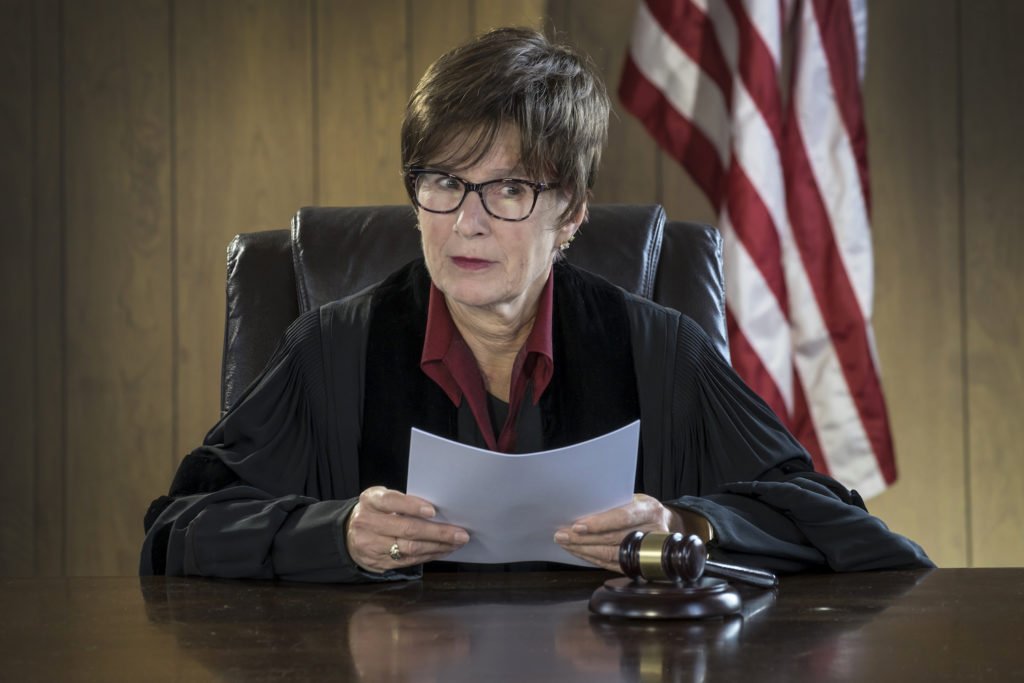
x=268, y=491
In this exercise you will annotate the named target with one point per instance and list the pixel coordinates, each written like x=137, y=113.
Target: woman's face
x=482, y=262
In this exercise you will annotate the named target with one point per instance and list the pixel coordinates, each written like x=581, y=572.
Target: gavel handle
x=756, y=577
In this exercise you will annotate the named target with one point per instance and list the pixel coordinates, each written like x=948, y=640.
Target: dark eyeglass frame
x=412, y=173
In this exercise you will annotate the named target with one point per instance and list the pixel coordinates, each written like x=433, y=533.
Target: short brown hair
x=549, y=92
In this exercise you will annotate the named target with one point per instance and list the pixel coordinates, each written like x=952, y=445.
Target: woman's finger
x=564, y=536
x=422, y=549
x=641, y=511
x=392, y=525
x=387, y=500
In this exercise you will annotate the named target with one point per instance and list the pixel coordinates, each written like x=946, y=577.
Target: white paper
x=512, y=504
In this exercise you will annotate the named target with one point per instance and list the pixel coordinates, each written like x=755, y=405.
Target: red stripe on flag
x=758, y=70
x=748, y=365
x=802, y=426
x=812, y=232
x=693, y=32
x=840, y=45
x=756, y=230
x=676, y=134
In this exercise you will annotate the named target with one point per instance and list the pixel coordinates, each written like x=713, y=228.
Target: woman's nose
x=472, y=218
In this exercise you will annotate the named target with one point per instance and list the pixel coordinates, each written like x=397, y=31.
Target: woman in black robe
x=492, y=340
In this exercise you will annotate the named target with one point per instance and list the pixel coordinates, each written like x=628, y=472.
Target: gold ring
x=395, y=553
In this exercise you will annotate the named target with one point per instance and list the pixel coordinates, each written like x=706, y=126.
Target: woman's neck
x=495, y=338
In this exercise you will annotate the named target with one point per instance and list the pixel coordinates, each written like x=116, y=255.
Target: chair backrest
x=331, y=252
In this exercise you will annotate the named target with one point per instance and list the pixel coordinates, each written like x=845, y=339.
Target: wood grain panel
x=244, y=151
x=362, y=88
x=49, y=293
x=993, y=61
x=488, y=14
x=17, y=359
x=116, y=75
x=435, y=26
x=911, y=104
x=601, y=29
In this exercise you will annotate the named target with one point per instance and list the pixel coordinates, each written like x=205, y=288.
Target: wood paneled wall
x=992, y=98
x=141, y=135
x=913, y=125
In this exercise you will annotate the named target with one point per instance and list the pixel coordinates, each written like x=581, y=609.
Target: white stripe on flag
x=765, y=18
x=756, y=311
x=859, y=19
x=672, y=71
x=844, y=443
x=833, y=161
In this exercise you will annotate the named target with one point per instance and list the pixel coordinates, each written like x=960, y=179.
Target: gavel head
x=660, y=557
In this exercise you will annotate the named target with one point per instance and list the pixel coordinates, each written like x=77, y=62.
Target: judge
x=491, y=339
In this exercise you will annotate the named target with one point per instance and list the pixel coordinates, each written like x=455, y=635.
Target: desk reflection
x=456, y=629
x=392, y=646
x=239, y=630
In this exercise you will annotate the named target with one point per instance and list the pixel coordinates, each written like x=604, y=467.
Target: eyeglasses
x=508, y=199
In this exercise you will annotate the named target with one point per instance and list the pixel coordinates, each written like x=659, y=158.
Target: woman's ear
x=575, y=221
x=571, y=227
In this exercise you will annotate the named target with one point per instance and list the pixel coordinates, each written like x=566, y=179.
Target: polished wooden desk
x=947, y=624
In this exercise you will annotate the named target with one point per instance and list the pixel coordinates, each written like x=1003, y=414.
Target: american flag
x=782, y=156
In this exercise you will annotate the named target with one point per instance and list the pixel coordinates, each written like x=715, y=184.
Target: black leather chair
x=329, y=253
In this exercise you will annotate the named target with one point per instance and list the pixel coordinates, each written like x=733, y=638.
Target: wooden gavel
x=676, y=557
x=669, y=576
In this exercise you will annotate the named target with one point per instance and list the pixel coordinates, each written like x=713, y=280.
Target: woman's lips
x=470, y=263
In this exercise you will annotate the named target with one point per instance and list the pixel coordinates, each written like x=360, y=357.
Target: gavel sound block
x=666, y=579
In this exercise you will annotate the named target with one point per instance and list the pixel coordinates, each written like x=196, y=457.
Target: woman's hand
x=384, y=517
x=596, y=538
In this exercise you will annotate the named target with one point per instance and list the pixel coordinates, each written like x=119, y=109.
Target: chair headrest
x=340, y=250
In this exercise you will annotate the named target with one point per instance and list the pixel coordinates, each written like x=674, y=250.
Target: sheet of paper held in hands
x=512, y=504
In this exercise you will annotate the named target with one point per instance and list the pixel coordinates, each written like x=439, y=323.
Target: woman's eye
x=512, y=190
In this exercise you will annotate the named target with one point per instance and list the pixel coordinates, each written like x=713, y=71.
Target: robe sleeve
x=255, y=499
x=755, y=483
